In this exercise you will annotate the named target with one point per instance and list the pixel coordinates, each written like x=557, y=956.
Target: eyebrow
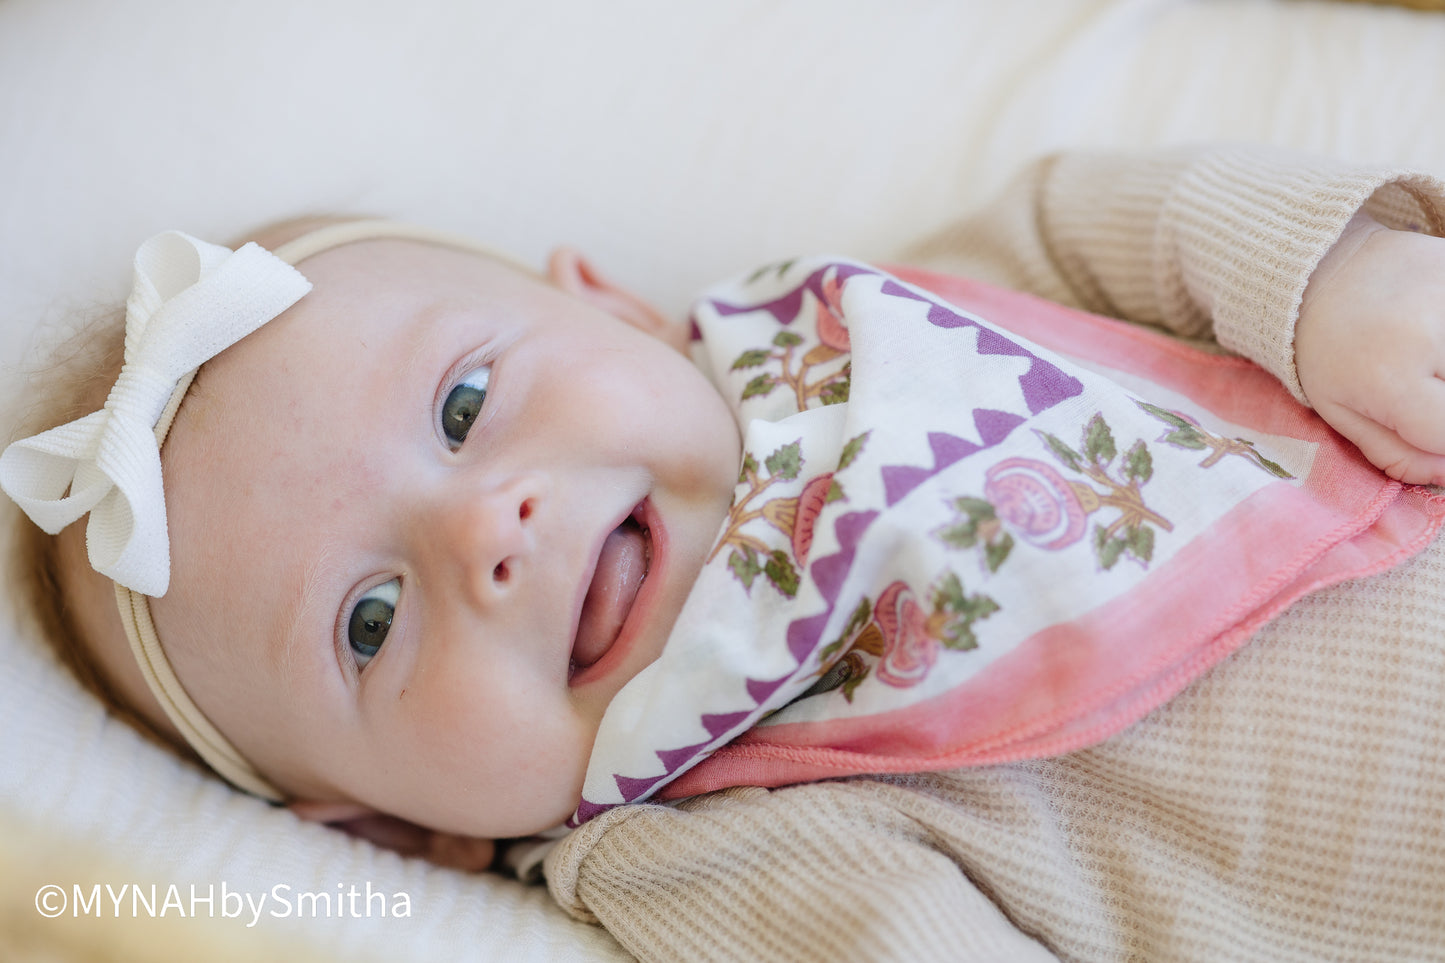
x=286, y=649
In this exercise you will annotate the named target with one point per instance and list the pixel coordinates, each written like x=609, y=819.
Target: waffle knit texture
x=1287, y=806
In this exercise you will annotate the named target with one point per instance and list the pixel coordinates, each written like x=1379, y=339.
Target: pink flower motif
x=1037, y=502
x=810, y=504
x=831, y=330
x=909, y=651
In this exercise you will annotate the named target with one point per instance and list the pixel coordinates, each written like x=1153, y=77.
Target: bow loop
x=165, y=266
x=190, y=301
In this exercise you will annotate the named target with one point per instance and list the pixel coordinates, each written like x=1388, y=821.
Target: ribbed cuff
x=1226, y=237
x=814, y=872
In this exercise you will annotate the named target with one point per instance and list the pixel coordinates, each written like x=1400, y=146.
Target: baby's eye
x=371, y=620
x=464, y=403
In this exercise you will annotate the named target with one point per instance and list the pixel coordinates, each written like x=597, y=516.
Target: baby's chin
x=541, y=820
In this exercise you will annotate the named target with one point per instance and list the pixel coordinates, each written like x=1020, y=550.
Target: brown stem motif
x=1053, y=512
x=793, y=371
x=1123, y=496
x=794, y=516
x=739, y=515
x=899, y=637
x=751, y=556
x=1185, y=432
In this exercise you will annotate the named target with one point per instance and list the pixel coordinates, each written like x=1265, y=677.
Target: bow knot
x=139, y=394
x=190, y=301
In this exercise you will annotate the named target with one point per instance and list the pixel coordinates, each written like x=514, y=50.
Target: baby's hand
x=1370, y=347
x=443, y=849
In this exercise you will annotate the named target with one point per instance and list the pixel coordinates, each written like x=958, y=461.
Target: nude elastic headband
x=189, y=302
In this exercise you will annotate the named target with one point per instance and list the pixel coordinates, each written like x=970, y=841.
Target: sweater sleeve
x=811, y=872
x=1210, y=242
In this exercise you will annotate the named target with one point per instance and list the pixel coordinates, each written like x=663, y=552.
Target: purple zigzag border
x=1044, y=385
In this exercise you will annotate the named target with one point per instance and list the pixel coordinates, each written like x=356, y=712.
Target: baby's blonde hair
x=73, y=382
x=82, y=365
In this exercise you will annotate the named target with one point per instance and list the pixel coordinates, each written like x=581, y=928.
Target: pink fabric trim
x=1026, y=706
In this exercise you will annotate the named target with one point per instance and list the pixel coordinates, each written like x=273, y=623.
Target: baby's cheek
x=538, y=784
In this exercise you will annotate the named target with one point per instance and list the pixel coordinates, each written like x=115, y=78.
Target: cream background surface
x=675, y=142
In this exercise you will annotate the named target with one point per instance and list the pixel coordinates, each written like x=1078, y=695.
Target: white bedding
x=622, y=128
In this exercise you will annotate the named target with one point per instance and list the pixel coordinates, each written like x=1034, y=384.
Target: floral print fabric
x=951, y=544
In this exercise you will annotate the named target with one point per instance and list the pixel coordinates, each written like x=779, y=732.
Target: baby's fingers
x=1389, y=450
x=1418, y=416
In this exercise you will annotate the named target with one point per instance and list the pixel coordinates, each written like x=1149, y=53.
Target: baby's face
x=426, y=524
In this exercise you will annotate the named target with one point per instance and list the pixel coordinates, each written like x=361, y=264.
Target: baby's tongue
x=620, y=569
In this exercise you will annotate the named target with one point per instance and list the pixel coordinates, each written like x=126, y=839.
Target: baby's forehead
x=374, y=336
x=377, y=329
x=370, y=286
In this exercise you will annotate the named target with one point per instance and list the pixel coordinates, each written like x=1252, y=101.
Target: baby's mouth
x=621, y=567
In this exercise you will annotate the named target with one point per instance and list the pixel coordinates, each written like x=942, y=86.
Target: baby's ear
x=571, y=272
x=398, y=835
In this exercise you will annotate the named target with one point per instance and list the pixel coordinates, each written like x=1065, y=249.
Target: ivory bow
x=191, y=300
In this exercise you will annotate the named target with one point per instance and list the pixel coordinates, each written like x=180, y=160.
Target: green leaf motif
x=960, y=637
x=1099, y=441
x=787, y=339
x=1060, y=450
x=835, y=493
x=995, y=553
x=859, y=618
x=979, y=509
x=759, y=386
x=1274, y=468
x=744, y=565
x=1108, y=549
x=786, y=462
x=949, y=593
x=1138, y=463
x=855, y=680
x=861, y=614
x=780, y=571
x=779, y=269
x=750, y=359
x=959, y=634
x=959, y=535
x=835, y=392
x=1166, y=416
x=1141, y=543
x=1192, y=437
x=852, y=450
x=1188, y=437
x=950, y=596
x=964, y=534
x=750, y=467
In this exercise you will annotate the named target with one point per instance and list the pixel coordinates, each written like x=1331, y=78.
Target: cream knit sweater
x=1289, y=805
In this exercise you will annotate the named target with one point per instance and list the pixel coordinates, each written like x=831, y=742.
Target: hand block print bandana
x=955, y=543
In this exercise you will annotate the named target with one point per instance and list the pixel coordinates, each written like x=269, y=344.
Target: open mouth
x=622, y=565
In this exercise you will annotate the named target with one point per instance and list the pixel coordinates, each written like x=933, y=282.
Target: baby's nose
x=487, y=537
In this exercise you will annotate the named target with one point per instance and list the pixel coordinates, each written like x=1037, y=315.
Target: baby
x=426, y=513
x=519, y=452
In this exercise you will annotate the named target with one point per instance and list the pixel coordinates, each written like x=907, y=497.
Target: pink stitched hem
x=1365, y=524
